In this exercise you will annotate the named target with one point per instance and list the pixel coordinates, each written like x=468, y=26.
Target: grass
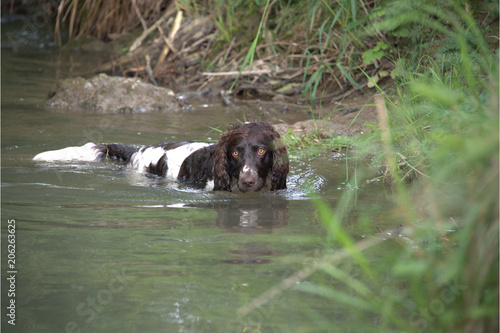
x=438, y=135
x=315, y=144
x=105, y=19
x=325, y=38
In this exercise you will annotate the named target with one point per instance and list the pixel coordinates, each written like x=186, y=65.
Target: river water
x=99, y=248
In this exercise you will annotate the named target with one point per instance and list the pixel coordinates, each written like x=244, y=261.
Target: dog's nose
x=248, y=181
x=248, y=178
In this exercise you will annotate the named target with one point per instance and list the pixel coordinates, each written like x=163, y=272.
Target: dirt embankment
x=108, y=94
x=174, y=60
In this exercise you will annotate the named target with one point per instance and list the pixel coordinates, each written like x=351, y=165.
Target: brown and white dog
x=248, y=157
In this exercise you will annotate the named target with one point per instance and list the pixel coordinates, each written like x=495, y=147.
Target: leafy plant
x=375, y=53
x=438, y=128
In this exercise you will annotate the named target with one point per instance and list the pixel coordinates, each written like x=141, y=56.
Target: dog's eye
x=236, y=154
x=261, y=151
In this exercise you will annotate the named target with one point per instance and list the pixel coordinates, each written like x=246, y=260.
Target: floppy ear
x=222, y=178
x=280, y=162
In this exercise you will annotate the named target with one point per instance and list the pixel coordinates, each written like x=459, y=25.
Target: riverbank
x=432, y=134
x=210, y=49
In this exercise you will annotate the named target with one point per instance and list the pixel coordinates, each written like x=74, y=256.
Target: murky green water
x=102, y=249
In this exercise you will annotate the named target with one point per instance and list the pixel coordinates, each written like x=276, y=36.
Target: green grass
x=442, y=133
x=314, y=144
x=438, y=138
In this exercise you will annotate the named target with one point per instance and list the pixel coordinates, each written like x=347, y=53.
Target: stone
x=109, y=94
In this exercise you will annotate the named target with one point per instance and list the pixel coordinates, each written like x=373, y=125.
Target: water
x=102, y=249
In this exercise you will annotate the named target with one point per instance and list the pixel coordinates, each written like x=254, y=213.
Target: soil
x=134, y=82
x=349, y=117
x=107, y=94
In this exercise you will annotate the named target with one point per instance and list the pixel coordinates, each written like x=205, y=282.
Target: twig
x=234, y=73
x=146, y=32
x=210, y=39
x=138, y=13
x=225, y=99
x=230, y=62
x=149, y=71
x=167, y=41
x=405, y=162
x=57, y=30
x=171, y=37
x=229, y=49
x=197, y=43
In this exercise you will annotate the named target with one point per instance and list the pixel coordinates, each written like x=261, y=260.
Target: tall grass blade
x=251, y=52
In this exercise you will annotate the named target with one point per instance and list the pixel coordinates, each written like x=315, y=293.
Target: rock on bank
x=110, y=94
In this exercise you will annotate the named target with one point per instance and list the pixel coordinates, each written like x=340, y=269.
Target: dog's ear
x=280, y=162
x=222, y=178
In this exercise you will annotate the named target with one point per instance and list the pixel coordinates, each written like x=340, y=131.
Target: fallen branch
x=138, y=13
x=234, y=73
x=149, y=71
x=138, y=41
x=171, y=37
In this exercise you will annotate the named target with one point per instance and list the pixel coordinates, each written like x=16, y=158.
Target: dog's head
x=248, y=154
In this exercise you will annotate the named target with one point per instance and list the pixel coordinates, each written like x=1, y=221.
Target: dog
x=248, y=157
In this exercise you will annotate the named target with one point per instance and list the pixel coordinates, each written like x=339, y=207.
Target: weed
x=438, y=128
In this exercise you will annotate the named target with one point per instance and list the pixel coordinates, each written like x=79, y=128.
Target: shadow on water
x=104, y=249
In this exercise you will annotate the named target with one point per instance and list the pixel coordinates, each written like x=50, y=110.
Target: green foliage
x=314, y=143
x=376, y=53
x=325, y=32
x=251, y=52
x=233, y=18
x=442, y=133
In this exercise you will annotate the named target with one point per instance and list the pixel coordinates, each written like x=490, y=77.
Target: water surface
x=100, y=248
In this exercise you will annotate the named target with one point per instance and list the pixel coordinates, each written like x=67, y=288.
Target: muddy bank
x=182, y=52
x=351, y=117
x=108, y=94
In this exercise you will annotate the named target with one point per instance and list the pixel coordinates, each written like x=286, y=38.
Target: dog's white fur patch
x=151, y=156
x=139, y=160
x=85, y=153
x=176, y=156
x=144, y=157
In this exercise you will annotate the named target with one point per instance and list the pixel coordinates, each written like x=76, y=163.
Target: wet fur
x=196, y=164
x=251, y=134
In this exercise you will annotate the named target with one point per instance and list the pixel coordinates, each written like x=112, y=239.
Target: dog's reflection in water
x=252, y=217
